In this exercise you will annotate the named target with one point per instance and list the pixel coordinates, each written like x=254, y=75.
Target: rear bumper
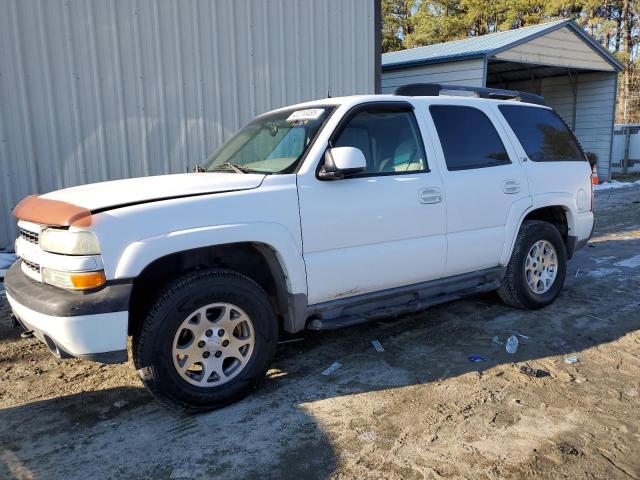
x=584, y=226
x=90, y=325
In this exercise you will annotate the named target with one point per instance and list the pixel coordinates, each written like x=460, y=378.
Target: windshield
x=272, y=143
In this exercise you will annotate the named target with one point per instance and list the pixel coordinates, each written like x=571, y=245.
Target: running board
x=350, y=312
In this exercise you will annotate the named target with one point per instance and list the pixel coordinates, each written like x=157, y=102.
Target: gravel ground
x=417, y=410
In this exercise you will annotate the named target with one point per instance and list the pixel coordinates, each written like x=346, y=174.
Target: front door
x=382, y=228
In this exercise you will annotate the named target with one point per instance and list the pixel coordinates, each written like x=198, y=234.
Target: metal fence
x=626, y=149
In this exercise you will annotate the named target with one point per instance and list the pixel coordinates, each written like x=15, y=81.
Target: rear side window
x=468, y=138
x=542, y=134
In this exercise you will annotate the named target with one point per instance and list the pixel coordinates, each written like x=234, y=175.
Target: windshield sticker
x=308, y=114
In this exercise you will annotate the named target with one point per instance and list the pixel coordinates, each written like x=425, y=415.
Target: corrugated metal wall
x=92, y=90
x=464, y=72
x=595, y=116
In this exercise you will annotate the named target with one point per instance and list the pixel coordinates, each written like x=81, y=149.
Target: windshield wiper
x=233, y=166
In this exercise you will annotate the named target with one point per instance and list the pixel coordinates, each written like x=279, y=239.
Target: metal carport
x=558, y=60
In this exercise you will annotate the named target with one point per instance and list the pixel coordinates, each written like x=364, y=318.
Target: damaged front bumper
x=89, y=325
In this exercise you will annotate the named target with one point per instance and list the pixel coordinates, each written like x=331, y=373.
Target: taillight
x=593, y=194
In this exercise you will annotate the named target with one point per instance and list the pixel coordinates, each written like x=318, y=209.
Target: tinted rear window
x=468, y=138
x=542, y=134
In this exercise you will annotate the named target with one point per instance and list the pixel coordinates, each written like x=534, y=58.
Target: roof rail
x=434, y=90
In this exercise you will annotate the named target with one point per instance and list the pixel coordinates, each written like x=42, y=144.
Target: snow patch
x=603, y=272
x=615, y=184
x=631, y=262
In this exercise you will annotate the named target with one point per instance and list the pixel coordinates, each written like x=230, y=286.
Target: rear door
x=483, y=180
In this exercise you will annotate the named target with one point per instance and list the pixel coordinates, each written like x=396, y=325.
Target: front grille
x=31, y=266
x=29, y=236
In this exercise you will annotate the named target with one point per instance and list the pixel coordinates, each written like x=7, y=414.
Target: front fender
x=141, y=253
x=518, y=214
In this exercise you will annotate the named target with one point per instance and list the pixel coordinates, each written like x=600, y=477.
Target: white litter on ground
x=335, y=366
x=615, y=184
x=631, y=262
x=377, y=345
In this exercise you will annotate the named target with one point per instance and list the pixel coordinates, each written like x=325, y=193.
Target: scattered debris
x=120, y=403
x=335, y=366
x=497, y=340
x=577, y=272
x=477, y=358
x=534, y=372
x=377, y=345
x=291, y=340
x=567, y=449
x=512, y=344
x=367, y=436
x=526, y=337
x=571, y=360
x=594, y=317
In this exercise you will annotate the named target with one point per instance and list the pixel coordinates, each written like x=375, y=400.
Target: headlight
x=73, y=280
x=55, y=240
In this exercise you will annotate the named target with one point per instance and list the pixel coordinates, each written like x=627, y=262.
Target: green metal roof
x=486, y=45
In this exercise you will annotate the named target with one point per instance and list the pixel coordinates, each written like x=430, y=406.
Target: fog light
x=73, y=280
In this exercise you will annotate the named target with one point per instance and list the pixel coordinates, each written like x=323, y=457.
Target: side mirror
x=340, y=162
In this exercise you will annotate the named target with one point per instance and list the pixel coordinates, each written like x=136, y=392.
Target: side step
x=396, y=310
x=411, y=307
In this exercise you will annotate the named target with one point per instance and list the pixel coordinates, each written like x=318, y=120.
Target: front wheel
x=208, y=340
x=535, y=274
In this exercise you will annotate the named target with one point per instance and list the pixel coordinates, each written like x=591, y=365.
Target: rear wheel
x=535, y=274
x=207, y=342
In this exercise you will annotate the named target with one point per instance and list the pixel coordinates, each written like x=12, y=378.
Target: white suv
x=315, y=216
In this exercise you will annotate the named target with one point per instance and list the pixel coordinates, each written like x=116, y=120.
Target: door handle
x=430, y=195
x=510, y=186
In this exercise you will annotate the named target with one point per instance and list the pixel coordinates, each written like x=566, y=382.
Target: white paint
x=79, y=335
x=631, y=262
x=96, y=196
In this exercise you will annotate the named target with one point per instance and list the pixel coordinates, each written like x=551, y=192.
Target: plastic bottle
x=512, y=344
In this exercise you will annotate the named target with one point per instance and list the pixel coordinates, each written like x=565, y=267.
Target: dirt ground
x=418, y=410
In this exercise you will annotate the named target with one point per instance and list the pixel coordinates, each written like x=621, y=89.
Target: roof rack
x=435, y=89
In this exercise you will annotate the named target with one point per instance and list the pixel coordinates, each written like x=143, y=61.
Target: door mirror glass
x=340, y=162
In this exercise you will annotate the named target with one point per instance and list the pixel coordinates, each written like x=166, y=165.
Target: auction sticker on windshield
x=307, y=114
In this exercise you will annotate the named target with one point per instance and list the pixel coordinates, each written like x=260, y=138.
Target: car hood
x=118, y=193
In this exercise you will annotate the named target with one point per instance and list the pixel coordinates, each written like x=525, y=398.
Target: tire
x=515, y=289
x=177, y=323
